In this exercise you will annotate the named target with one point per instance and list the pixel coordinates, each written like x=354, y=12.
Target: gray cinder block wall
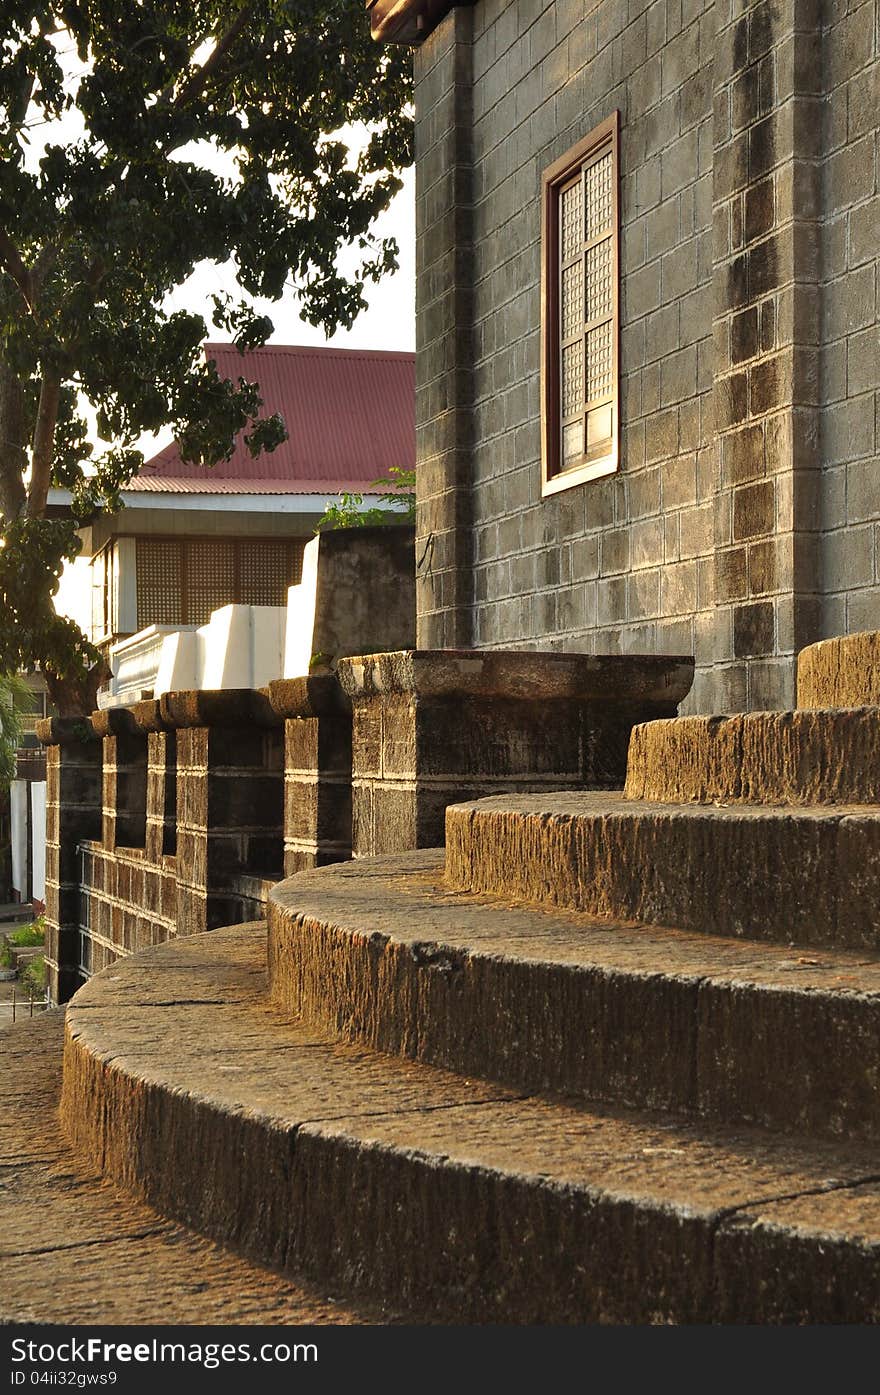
x=744, y=520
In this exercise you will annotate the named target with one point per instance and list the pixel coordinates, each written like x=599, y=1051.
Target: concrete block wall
x=850, y=290
x=767, y=126
x=741, y=524
x=444, y=314
x=624, y=563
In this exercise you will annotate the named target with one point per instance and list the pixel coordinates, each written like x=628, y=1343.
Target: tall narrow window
x=580, y=311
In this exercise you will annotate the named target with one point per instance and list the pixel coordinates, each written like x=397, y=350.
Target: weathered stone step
x=822, y=757
x=804, y=876
x=76, y=1250
x=451, y=1196
x=560, y=1001
x=840, y=672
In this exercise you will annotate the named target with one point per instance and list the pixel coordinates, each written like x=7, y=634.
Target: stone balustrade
x=175, y=815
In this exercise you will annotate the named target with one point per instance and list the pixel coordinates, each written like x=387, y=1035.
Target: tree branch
x=196, y=82
x=19, y=106
x=44, y=441
x=12, y=263
x=13, y=434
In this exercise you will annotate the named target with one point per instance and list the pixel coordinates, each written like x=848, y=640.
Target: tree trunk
x=76, y=695
x=13, y=442
x=44, y=442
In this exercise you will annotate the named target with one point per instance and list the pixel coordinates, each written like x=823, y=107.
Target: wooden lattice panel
x=210, y=577
x=267, y=568
x=159, y=582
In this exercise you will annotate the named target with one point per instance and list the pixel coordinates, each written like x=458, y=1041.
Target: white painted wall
x=19, y=833
x=299, y=635
x=125, y=586
x=178, y=666
x=242, y=646
x=38, y=840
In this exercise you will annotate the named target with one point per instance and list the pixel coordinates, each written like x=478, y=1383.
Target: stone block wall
x=850, y=300
x=432, y=728
x=624, y=563
x=743, y=522
x=127, y=903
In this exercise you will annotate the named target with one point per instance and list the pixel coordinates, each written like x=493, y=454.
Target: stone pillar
x=444, y=334
x=159, y=897
x=767, y=328
x=160, y=834
x=124, y=784
x=229, y=801
x=317, y=770
x=73, y=814
x=431, y=728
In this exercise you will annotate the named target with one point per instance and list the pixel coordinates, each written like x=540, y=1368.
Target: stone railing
x=174, y=816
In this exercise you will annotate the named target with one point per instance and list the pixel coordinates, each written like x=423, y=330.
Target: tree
x=15, y=698
x=109, y=198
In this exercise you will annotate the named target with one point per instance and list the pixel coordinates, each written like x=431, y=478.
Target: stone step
x=76, y=1250
x=453, y=1197
x=840, y=672
x=560, y=1001
x=803, y=876
x=803, y=757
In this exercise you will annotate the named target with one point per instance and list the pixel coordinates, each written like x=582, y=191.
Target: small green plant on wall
x=397, y=504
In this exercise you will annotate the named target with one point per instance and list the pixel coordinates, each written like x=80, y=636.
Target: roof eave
x=407, y=21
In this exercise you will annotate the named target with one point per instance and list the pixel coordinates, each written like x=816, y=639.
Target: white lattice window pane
x=268, y=568
x=599, y=301
x=572, y=378
x=599, y=202
x=210, y=575
x=573, y=441
x=599, y=377
x=573, y=299
x=158, y=572
x=571, y=212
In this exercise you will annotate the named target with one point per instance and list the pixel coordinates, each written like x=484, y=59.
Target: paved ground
x=74, y=1249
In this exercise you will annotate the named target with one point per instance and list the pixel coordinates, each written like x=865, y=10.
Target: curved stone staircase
x=615, y=1059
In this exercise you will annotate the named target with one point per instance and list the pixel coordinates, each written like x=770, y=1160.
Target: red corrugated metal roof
x=169, y=484
x=350, y=416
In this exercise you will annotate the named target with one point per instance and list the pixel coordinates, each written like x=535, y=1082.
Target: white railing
x=242, y=646
x=135, y=663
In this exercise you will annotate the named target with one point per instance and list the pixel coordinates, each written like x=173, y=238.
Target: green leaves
x=194, y=130
x=397, y=504
x=15, y=698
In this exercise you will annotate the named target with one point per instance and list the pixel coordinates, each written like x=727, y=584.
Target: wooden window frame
x=554, y=179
